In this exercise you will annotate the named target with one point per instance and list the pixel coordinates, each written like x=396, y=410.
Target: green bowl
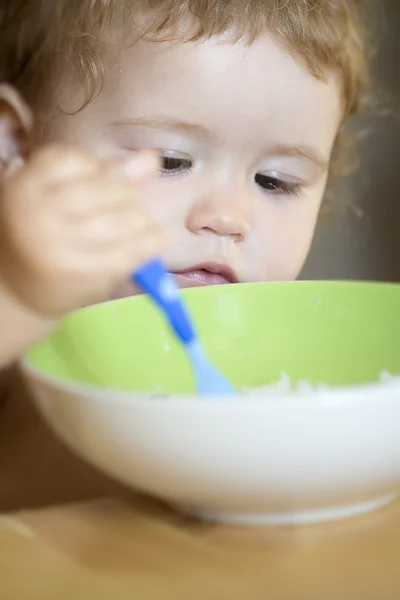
x=337, y=333
x=281, y=459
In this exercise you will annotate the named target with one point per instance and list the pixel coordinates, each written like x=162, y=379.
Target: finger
x=104, y=234
x=93, y=198
x=115, y=262
x=136, y=167
x=58, y=164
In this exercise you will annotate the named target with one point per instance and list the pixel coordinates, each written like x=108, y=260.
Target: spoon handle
x=154, y=279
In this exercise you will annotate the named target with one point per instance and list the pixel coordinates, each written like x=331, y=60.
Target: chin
x=126, y=290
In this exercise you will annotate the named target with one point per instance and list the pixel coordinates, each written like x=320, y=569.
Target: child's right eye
x=174, y=165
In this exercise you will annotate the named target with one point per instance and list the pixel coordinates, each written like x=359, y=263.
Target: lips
x=206, y=274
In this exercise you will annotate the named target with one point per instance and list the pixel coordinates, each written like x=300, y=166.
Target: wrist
x=20, y=326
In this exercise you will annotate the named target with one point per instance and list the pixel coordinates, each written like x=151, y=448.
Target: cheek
x=164, y=206
x=281, y=241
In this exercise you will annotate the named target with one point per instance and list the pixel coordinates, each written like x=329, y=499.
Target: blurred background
x=351, y=246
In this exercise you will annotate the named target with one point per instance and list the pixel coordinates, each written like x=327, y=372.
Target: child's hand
x=70, y=230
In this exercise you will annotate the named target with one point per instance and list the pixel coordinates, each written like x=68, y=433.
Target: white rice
x=285, y=386
x=386, y=377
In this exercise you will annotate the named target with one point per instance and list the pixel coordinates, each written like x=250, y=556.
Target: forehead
x=223, y=85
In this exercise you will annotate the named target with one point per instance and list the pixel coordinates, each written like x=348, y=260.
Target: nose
x=224, y=213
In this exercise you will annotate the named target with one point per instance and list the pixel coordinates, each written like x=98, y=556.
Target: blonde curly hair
x=42, y=37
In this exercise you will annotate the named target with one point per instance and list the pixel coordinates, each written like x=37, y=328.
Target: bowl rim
x=206, y=290
x=338, y=396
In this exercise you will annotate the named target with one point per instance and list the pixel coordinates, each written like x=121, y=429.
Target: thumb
x=137, y=167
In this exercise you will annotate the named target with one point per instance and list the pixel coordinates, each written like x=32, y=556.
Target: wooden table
x=119, y=550
x=130, y=548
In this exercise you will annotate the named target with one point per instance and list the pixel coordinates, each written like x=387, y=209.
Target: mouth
x=212, y=273
x=206, y=274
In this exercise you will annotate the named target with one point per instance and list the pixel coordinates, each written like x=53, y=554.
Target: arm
x=70, y=228
x=70, y=233
x=19, y=327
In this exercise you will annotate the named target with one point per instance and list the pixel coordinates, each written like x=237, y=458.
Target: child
x=243, y=100
x=70, y=229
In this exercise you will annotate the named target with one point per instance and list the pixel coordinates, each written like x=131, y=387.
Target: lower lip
x=199, y=278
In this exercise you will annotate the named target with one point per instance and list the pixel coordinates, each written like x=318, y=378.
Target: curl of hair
x=42, y=37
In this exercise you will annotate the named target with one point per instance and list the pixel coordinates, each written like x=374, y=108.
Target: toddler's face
x=245, y=136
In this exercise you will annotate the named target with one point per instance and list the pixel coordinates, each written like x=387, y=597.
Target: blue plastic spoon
x=154, y=279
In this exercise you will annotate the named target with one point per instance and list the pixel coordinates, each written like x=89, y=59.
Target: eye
x=276, y=186
x=174, y=165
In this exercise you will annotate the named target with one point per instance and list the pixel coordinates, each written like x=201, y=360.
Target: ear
x=15, y=128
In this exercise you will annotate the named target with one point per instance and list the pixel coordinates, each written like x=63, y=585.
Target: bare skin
x=244, y=134
x=252, y=103
x=70, y=229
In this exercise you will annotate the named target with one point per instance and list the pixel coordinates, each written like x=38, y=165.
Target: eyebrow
x=303, y=151
x=165, y=124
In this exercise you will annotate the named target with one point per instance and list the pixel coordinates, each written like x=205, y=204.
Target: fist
x=70, y=229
